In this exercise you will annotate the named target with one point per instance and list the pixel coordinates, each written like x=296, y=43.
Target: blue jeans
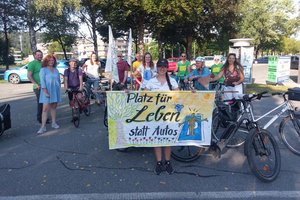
x=95, y=84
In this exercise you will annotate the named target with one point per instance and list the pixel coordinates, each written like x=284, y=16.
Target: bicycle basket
x=229, y=112
x=294, y=94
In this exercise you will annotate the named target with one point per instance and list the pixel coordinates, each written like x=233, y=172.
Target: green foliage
x=267, y=21
x=61, y=29
x=291, y=46
x=57, y=6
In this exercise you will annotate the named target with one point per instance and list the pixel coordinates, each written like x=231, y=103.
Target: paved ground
x=75, y=163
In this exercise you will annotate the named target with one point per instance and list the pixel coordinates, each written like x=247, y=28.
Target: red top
x=122, y=67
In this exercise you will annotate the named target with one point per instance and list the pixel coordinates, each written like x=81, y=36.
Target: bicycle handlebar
x=249, y=98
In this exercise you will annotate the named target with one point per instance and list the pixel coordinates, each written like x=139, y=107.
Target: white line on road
x=163, y=195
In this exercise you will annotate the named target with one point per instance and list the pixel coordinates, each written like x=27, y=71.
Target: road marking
x=163, y=195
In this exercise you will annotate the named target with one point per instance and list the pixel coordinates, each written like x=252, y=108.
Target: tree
x=90, y=13
x=9, y=17
x=291, y=46
x=267, y=22
x=123, y=15
x=190, y=20
x=38, y=10
x=61, y=29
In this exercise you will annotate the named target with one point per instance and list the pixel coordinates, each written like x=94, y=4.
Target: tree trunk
x=189, y=47
x=63, y=47
x=6, y=48
x=31, y=24
x=93, y=19
x=160, y=48
x=141, y=29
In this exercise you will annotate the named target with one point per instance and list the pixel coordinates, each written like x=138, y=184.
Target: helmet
x=199, y=59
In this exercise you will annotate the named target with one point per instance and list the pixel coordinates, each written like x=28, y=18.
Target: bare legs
x=158, y=153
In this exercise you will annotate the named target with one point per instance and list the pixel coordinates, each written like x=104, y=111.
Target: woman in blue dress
x=50, y=94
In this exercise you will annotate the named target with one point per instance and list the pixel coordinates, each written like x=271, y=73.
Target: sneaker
x=169, y=167
x=159, y=168
x=54, y=125
x=42, y=130
x=98, y=102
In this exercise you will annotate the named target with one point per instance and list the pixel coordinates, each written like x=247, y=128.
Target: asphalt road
x=75, y=163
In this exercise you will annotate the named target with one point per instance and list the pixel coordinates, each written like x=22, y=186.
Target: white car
x=209, y=61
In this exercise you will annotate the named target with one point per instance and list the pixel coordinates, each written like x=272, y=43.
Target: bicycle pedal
x=215, y=150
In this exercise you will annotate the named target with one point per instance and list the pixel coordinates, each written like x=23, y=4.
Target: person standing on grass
x=162, y=82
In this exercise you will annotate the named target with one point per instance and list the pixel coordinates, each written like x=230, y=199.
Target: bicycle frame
x=284, y=107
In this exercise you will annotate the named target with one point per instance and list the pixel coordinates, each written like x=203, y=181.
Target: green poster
x=272, y=68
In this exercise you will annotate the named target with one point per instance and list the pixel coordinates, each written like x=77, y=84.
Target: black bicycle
x=261, y=149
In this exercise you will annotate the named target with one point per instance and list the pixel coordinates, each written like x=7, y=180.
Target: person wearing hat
x=200, y=75
x=162, y=82
x=215, y=70
x=73, y=78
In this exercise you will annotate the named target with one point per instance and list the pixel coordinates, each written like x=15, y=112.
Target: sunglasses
x=183, y=56
x=120, y=56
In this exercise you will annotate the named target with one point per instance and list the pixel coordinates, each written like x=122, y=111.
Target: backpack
x=84, y=76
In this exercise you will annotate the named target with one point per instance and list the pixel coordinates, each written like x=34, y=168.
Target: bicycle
x=260, y=147
x=259, y=142
x=289, y=128
x=79, y=103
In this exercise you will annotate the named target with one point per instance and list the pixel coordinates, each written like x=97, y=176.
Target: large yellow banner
x=152, y=119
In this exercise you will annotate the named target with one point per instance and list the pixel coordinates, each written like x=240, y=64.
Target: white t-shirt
x=154, y=85
x=147, y=73
x=91, y=70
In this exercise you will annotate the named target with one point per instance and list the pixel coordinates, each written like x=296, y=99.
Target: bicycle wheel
x=105, y=120
x=186, y=153
x=76, y=115
x=218, y=128
x=263, y=155
x=87, y=110
x=290, y=134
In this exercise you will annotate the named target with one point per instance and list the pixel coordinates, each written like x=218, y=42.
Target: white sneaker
x=42, y=130
x=55, y=125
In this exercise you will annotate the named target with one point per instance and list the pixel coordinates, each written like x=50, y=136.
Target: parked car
x=262, y=60
x=19, y=74
x=209, y=61
x=294, y=62
x=172, y=64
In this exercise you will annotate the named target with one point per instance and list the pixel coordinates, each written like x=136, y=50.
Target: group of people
x=46, y=81
x=230, y=73
x=147, y=76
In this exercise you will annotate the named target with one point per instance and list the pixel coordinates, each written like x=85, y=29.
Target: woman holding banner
x=162, y=82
